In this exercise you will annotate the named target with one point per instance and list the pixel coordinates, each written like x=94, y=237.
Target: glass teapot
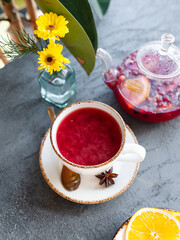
x=147, y=82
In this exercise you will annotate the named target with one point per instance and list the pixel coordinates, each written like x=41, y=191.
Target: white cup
x=127, y=152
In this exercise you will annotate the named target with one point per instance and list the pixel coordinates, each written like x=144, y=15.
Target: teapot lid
x=160, y=59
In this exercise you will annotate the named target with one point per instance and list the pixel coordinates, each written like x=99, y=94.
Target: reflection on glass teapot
x=147, y=82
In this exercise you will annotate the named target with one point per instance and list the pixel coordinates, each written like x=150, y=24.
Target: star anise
x=107, y=177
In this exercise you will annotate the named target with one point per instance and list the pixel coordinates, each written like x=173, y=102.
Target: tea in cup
x=89, y=137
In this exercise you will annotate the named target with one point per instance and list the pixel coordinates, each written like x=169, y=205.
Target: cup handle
x=132, y=153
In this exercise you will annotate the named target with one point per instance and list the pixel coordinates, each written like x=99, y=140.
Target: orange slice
x=175, y=214
x=136, y=90
x=153, y=224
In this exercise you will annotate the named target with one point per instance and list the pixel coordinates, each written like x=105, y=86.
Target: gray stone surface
x=29, y=209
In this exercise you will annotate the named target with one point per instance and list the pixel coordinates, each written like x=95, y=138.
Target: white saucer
x=89, y=191
x=120, y=234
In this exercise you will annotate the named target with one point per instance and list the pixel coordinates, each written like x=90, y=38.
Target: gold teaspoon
x=70, y=180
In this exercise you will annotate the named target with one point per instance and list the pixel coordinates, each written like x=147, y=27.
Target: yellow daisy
x=51, y=58
x=52, y=26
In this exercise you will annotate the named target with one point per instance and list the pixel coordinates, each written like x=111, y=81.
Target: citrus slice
x=153, y=224
x=136, y=90
x=175, y=214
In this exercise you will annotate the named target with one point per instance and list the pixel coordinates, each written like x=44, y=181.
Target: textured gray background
x=29, y=209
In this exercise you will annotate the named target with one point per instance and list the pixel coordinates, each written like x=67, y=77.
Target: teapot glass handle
x=109, y=72
x=105, y=58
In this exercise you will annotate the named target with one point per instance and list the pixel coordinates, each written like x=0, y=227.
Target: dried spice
x=107, y=177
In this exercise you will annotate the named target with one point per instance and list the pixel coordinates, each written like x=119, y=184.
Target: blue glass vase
x=58, y=87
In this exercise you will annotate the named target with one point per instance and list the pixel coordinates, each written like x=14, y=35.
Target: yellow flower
x=51, y=58
x=52, y=26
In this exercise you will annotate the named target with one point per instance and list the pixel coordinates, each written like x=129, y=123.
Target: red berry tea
x=88, y=136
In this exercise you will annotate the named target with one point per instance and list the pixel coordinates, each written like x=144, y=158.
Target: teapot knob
x=166, y=41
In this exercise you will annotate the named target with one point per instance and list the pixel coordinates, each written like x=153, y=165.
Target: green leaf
x=100, y=6
x=81, y=10
x=82, y=37
x=104, y=5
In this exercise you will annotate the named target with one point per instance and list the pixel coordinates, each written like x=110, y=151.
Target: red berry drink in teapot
x=147, y=83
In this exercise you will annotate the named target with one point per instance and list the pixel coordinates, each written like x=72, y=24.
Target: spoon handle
x=51, y=114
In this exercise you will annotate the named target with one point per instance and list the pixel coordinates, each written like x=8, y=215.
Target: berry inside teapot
x=147, y=82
